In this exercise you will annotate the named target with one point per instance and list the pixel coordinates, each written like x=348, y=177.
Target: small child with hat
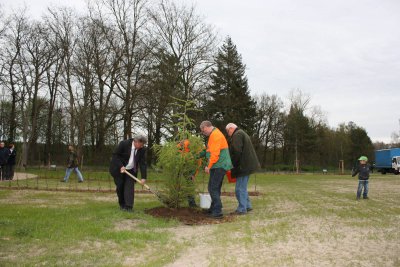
x=362, y=170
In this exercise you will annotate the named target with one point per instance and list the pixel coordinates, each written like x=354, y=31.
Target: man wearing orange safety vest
x=218, y=162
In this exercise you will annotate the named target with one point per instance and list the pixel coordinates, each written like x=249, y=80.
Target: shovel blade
x=161, y=198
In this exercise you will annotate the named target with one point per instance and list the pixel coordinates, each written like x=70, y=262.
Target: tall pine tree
x=299, y=137
x=229, y=91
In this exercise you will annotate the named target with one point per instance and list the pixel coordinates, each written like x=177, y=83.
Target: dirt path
x=22, y=176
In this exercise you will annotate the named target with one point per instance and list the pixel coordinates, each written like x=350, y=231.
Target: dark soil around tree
x=189, y=216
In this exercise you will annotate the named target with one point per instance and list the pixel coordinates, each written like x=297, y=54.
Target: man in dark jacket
x=11, y=161
x=245, y=162
x=130, y=155
x=4, y=154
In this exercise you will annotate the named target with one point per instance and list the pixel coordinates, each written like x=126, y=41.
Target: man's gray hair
x=205, y=124
x=230, y=125
x=141, y=138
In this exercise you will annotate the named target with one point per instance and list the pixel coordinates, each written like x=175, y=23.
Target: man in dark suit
x=130, y=155
x=4, y=154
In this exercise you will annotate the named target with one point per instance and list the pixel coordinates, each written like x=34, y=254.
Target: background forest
x=94, y=77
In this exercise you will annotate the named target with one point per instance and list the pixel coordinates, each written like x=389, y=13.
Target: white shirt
x=131, y=163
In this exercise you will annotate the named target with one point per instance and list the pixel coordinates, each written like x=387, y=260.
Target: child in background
x=362, y=170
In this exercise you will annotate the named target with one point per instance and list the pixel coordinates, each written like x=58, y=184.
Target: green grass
x=52, y=227
x=93, y=180
x=298, y=220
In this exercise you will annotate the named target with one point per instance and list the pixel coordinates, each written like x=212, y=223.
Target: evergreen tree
x=299, y=137
x=179, y=162
x=229, y=91
x=163, y=83
x=360, y=143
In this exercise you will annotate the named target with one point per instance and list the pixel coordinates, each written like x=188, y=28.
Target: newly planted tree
x=179, y=158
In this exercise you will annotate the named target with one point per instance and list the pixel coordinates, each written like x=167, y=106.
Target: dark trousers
x=214, y=188
x=10, y=171
x=190, y=198
x=3, y=172
x=125, y=189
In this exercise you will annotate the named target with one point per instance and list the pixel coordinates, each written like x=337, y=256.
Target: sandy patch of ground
x=199, y=249
x=26, y=197
x=22, y=176
x=197, y=240
x=285, y=206
x=308, y=242
x=128, y=225
x=314, y=242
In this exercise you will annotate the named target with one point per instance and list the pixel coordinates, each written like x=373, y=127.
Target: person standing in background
x=72, y=165
x=4, y=154
x=11, y=162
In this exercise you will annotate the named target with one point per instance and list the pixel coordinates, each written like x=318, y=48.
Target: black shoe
x=80, y=181
x=249, y=209
x=62, y=181
x=216, y=216
x=127, y=209
x=365, y=197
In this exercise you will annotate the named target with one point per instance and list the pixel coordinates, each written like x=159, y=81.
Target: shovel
x=160, y=197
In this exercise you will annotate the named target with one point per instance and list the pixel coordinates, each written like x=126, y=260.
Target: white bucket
x=205, y=201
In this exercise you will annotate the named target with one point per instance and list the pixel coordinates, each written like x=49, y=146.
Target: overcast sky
x=345, y=53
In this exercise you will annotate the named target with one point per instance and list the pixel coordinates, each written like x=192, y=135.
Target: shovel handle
x=137, y=180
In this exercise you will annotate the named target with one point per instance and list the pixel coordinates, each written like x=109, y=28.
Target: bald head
x=230, y=128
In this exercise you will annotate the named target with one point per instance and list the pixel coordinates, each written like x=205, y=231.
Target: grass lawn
x=299, y=220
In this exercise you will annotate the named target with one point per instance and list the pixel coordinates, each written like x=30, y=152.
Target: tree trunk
x=25, y=147
x=13, y=123
x=71, y=107
x=52, y=84
x=34, y=115
x=13, y=115
x=128, y=111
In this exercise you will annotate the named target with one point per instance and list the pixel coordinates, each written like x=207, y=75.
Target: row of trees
x=93, y=79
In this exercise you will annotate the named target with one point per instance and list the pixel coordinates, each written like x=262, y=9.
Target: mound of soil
x=189, y=216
